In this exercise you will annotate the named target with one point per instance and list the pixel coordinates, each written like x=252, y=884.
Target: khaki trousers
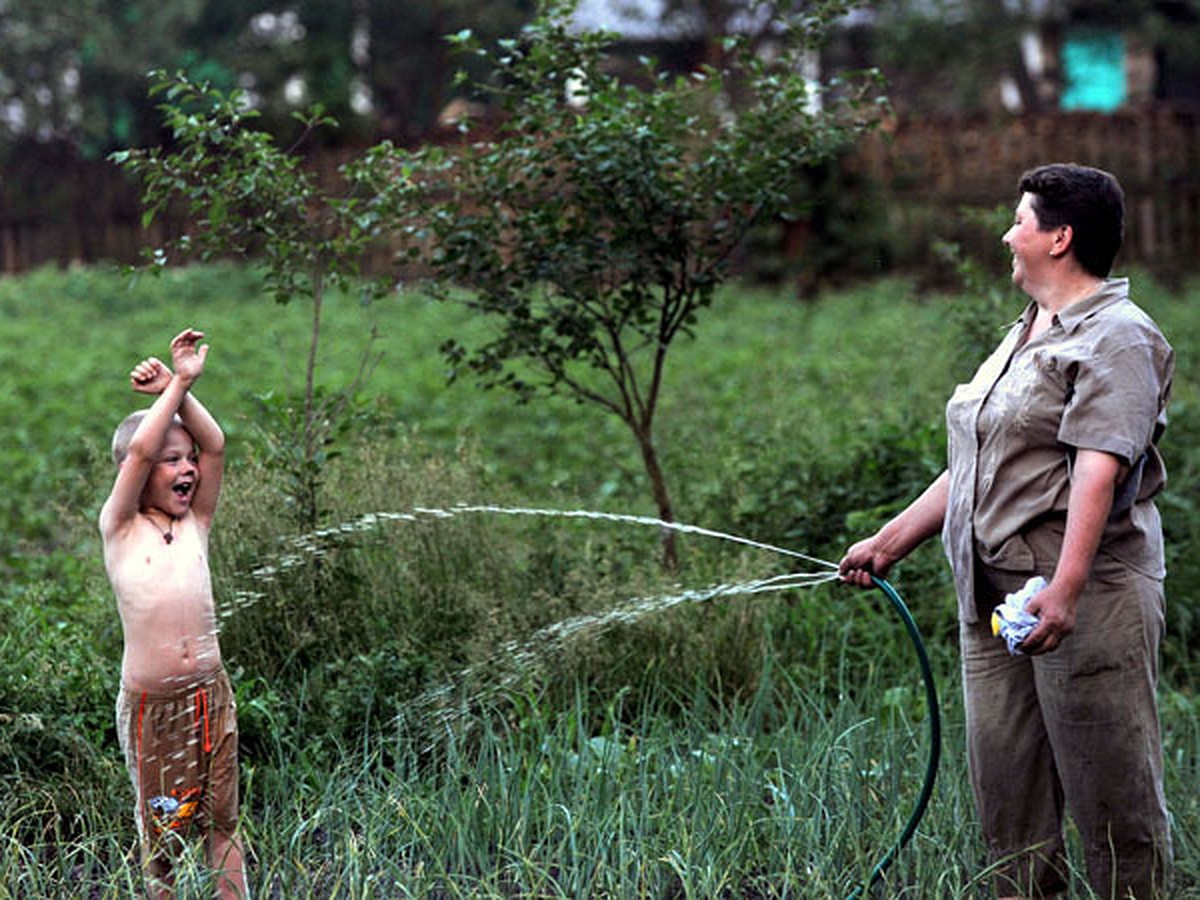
x=1074, y=730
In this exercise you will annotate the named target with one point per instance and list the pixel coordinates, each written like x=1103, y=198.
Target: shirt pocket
x=1057, y=373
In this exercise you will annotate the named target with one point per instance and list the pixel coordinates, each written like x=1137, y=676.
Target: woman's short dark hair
x=1089, y=200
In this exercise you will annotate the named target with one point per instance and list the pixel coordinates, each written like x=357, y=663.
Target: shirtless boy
x=176, y=717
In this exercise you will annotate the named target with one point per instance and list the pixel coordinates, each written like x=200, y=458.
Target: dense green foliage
x=70, y=75
x=654, y=754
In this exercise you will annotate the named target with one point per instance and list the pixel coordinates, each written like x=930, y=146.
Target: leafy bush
x=61, y=647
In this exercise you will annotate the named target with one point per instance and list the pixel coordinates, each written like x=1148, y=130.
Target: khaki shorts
x=181, y=752
x=1076, y=730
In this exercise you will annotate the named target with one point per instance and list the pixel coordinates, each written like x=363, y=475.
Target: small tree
x=244, y=197
x=596, y=224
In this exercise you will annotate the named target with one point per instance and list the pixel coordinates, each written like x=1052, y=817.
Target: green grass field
x=417, y=719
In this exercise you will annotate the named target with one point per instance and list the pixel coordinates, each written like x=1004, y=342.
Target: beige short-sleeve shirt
x=1097, y=379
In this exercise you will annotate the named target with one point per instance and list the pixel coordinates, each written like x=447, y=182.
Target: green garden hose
x=935, y=738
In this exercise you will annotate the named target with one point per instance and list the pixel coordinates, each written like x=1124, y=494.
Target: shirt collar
x=1110, y=291
x=1069, y=318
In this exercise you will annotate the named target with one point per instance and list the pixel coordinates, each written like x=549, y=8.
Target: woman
x=1052, y=469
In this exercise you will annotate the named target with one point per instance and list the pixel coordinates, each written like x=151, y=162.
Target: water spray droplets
x=514, y=660
x=314, y=543
x=444, y=706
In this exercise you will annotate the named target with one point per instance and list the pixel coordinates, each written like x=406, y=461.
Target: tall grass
x=541, y=803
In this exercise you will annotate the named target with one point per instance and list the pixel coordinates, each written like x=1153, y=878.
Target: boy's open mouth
x=183, y=490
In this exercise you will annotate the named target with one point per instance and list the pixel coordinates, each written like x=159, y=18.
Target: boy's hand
x=186, y=356
x=150, y=376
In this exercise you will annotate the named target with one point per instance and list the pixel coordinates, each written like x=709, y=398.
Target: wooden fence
x=59, y=209
x=943, y=164
x=923, y=169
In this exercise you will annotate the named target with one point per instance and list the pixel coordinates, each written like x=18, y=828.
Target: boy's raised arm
x=210, y=446
x=188, y=359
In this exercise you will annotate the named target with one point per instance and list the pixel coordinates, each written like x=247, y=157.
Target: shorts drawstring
x=201, y=704
x=141, y=715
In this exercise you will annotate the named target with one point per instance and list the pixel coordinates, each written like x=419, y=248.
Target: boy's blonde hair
x=124, y=434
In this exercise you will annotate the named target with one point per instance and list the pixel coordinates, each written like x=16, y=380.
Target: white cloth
x=1010, y=620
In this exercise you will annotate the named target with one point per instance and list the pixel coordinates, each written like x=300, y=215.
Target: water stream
x=444, y=705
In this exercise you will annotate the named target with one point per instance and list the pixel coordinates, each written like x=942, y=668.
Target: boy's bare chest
x=145, y=568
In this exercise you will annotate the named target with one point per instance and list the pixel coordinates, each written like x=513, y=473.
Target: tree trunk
x=662, y=499
x=309, y=476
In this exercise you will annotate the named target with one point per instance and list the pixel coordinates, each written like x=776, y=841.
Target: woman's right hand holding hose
x=864, y=560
